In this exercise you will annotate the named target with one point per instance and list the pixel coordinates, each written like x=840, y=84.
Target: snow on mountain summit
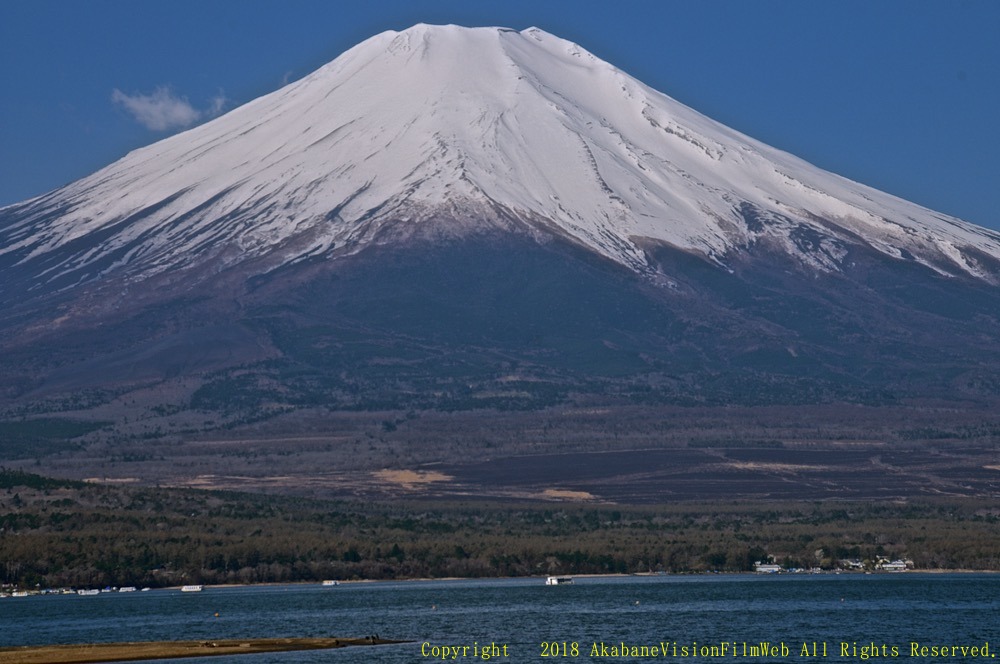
x=475, y=126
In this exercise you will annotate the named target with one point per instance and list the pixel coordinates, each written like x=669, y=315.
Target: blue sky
x=903, y=95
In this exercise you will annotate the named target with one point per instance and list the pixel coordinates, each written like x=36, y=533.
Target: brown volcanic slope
x=659, y=476
x=586, y=454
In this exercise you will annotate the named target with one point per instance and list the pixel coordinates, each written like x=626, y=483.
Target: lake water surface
x=697, y=618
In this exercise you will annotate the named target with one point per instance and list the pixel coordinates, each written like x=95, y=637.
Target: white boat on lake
x=558, y=580
x=190, y=589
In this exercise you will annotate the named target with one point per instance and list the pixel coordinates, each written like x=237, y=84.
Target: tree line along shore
x=59, y=533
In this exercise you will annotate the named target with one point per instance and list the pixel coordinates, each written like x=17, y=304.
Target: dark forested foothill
x=59, y=533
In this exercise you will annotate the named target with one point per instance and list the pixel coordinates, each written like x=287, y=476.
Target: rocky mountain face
x=451, y=218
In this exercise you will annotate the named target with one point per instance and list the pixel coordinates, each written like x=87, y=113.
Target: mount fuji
x=454, y=218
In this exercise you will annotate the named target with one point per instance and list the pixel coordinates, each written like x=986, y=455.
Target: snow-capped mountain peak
x=456, y=129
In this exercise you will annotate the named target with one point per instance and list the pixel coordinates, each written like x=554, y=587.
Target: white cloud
x=161, y=110
x=217, y=104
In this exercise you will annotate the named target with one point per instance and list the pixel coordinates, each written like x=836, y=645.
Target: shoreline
x=347, y=582
x=93, y=653
x=608, y=575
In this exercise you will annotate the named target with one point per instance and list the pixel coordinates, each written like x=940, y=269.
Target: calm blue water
x=858, y=610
